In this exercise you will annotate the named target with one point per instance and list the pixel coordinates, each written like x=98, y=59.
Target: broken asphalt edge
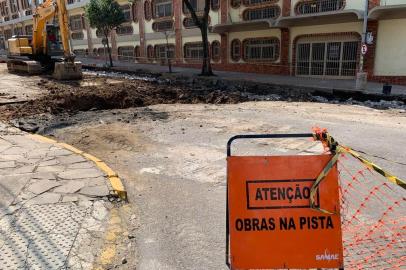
x=113, y=177
x=330, y=91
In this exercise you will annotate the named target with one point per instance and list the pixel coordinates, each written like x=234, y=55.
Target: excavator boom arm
x=44, y=13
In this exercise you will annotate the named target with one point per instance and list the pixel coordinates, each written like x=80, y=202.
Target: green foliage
x=104, y=15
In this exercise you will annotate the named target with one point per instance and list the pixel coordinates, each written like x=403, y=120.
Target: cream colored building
x=316, y=38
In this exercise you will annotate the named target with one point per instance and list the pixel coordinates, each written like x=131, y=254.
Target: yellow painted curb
x=42, y=138
x=71, y=148
x=115, y=181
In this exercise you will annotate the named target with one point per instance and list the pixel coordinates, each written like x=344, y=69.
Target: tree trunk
x=109, y=51
x=206, y=65
x=203, y=24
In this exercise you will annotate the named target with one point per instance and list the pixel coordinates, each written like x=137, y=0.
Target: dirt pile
x=97, y=93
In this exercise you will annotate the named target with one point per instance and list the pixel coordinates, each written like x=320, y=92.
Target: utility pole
x=361, y=80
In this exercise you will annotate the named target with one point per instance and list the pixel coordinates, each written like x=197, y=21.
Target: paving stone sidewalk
x=54, y=205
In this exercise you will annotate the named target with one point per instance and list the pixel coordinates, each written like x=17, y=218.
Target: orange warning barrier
x=372, y=208
x=270, y=222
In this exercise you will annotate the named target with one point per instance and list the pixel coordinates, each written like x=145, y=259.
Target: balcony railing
x=318, y=6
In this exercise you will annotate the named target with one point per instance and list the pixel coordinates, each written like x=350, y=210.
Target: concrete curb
x=115, y=181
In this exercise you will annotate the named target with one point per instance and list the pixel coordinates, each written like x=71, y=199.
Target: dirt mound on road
x=96, y=93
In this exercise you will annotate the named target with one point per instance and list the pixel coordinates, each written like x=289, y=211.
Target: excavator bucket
x=68, y=71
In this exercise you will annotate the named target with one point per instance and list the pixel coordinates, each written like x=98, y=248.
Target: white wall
x=392, y=2
x=390, y=55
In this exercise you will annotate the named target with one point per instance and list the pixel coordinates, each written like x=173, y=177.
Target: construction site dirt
x=167, y=141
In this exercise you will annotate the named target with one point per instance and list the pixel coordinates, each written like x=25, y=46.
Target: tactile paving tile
x=13, y=252
x=49, y=251
x=41, y=237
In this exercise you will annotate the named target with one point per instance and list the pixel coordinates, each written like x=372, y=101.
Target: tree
x=167, y=56
x=202, y=23
x=105, y=15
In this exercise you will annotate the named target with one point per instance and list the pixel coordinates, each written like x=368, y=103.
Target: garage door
x=337, y=59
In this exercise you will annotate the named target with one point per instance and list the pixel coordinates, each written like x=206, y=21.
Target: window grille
x=193, y=51
x=261, y=49
x=271, y=12
x=166, y=25
x=126, y=53
x=162, y=8
x=318, y=6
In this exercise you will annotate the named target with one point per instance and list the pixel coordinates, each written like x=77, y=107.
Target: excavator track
x=24, y=66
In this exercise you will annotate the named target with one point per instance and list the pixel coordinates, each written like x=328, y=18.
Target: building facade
x=309, y=38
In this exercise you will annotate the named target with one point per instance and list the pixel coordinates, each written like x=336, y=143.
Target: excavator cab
x=54, y=45
x=48, y=48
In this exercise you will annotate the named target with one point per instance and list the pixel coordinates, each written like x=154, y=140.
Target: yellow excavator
x=48, y=48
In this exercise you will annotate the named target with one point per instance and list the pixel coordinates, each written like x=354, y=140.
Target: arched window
x=193, y=51
x=188, y=22
x=162, y=52
x=261, y=49
x=150, y=52
x=137, y=52
x=166, y=25
x=318, y=6
x=198, y=5
x=127, y=12
x=235, y=3
x=258, y=2
x=123, y=30
x=76, y=22
x=162, y=8
x=147, y=10
x=79, y=52
x=126, y=53
x=270, y=12
x=215, y=5
x=99, y=33
x=215, y=51
x=102, y=51
x=77, y=35
x=236, y=50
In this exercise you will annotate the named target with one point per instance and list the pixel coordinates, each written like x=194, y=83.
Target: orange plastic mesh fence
x=373, y=218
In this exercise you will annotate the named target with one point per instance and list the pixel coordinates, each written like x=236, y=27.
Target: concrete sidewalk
x=320, y=84
x=54, y=206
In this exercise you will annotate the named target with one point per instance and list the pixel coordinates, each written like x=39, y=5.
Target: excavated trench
x=98, y=93
x=101, y=90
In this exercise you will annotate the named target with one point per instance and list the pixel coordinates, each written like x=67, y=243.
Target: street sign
x=270, y=222
x=364, y=49
x=370, y=38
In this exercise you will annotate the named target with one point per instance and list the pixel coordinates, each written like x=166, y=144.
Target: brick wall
x=141, y=23
x=369, y=59
x=224, y=11
x=286, y=6
x=284, y=48
x=239, y=67
x=224, y=52
x=373, y=3
x=401, y=80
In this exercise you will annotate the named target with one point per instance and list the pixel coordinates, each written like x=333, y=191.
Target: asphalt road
x=172, y=158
